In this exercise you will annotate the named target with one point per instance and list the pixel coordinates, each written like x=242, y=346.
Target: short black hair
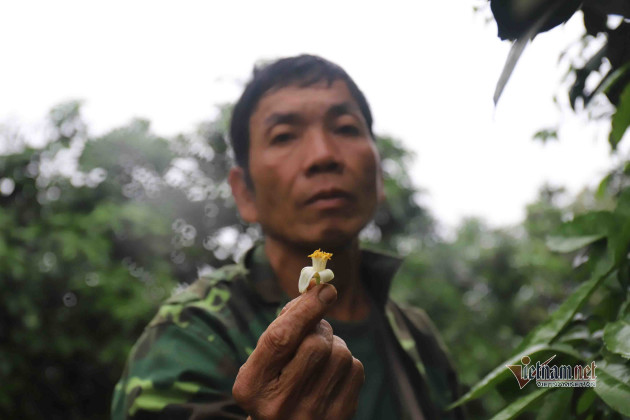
x=302, y=70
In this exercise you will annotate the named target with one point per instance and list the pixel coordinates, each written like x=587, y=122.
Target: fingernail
x=327, y=294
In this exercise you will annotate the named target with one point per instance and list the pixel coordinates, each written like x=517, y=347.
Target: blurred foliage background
x=95, y=232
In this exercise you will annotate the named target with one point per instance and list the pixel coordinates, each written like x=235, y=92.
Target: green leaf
x=619, y=242
x=617, y=338
x=623, y=199
x=556, y=405
x=546, y=134
x=621, y=119
x=521, y=404
x=570, y=244
x=602, y=188
x=613, y=385
x=591, y=223
x=501, y=372
x=539, y=339
x=550, y=329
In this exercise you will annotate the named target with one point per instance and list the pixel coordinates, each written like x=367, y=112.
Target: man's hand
x=299, y=369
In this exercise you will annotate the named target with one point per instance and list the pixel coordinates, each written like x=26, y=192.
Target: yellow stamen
x=321, y=254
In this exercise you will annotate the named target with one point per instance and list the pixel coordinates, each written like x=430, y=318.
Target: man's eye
x=282, y=138
x=349, y=130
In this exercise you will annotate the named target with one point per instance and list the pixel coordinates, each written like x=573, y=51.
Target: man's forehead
x=295, y=98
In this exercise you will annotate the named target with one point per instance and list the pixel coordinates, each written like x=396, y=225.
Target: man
x=244, y=341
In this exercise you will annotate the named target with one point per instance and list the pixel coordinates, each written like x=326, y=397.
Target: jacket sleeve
x=182, y=367
x=439, y=368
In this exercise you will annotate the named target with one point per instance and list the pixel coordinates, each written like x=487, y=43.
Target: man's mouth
x=329, y=198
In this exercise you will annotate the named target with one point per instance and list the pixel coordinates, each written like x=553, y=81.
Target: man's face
x=314, y=167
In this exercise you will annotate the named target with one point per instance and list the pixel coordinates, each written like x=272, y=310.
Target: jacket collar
x=377, y=272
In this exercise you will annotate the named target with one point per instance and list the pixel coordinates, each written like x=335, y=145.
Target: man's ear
x=243, y=195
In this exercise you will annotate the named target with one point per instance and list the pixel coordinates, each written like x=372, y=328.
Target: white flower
x=318, y=271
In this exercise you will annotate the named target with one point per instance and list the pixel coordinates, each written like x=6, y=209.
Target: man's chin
x=333, y=238
x=320, y=235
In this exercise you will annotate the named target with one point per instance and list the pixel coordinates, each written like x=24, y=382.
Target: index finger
x=283, y=336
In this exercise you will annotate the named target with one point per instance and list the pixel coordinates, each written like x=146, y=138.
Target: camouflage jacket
x=184, y=364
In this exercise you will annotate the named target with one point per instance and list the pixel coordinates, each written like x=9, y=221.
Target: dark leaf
x=608, y=7
x=513, y=56
x=517, y=23
x=594, y=20
x=621, y=118
x=515, y=18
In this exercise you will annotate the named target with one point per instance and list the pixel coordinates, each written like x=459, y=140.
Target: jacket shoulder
x=210, y=292
x=185, y=362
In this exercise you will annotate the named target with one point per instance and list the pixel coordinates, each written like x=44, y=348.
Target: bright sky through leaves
x=429, y=74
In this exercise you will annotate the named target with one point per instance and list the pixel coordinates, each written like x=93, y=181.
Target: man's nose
x=323, y=154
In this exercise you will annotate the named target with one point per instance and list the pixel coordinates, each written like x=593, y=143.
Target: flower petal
x=306, y=275
x=326, y=275
x=319, y=264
